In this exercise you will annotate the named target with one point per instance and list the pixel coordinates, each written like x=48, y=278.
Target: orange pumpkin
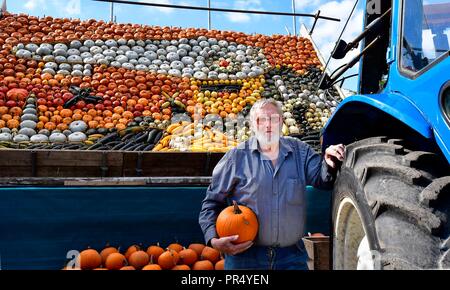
x=128, y=268
x=120, y=126
x=127, y=115
x=115, y=261
x=181, y=267
x=56, y=119
x=106, y=252
x=4, y=110
x=176, y=247
x=109, y=125
x=50, y=126
x=203, y=265
x=42, y=108
x=237, y=220
x=168, y=259
x=77, y=116
x=66, y=113
x=87, y=118
x=139, y=259
x=17, y=94
x=188, y=257
x=6, y=117
x=210, y=254
x=92, y=112
x=152, y=267
x=89, y=259
x=40, y=125
x=118, y=110
x=220, y=265
x=154, y=252
x=62, y=127
x=317, y=235
x=131, y=250
x=15, y=111
x=12, y=123
x=93, y=124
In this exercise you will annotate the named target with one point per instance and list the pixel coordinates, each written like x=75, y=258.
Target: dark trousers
x=269, y=258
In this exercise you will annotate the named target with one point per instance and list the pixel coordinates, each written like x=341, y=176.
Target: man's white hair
x=258, y=105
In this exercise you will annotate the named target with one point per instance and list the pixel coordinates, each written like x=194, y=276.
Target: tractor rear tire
x=391, y=208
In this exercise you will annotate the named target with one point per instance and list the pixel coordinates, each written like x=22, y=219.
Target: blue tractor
x=391, y=201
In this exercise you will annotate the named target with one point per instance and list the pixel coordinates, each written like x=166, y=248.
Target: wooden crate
x=77, y=163
x=318, y=249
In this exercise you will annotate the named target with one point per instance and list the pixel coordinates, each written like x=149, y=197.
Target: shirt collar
x=284, y=145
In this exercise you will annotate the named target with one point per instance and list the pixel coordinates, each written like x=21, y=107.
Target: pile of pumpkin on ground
x=174, y=257
x=233, y=220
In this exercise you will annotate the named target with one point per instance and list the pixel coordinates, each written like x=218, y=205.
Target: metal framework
x=316, y=16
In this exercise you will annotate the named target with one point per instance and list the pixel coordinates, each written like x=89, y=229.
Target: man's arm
x=223, y=181
x=318, y=173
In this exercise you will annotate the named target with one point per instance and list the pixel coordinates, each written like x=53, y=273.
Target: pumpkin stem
x=237, y=210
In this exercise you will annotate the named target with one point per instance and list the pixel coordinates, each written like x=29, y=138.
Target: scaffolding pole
x=111, y=17
x=294, y=20
x=209, y=14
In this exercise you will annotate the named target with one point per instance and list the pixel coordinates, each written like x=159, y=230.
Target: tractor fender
x=340, y=127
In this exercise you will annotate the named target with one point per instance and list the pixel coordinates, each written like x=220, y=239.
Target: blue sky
x=325, y=34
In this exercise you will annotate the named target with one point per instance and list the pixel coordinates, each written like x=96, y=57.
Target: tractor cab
x=412, y=35
x=403, y=75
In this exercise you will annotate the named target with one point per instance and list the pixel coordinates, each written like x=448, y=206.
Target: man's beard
x=267, y=140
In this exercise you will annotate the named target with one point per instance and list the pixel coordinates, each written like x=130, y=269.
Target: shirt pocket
x=294, y=191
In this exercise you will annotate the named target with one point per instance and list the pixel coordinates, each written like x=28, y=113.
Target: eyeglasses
x=273, y=119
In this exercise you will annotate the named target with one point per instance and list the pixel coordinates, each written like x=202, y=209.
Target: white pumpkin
x=78, y=126
x=21, y=138
x=27, y=131
x=28, y=116
x=30, y=111
x=5, y=137
x=172, y=56
x=57, y=137
x=44, y=132
x=77, y=137
x=28, y=124
x=39, y=138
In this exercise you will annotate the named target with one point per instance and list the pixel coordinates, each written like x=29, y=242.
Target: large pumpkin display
x=113, y=77
x=237, y=220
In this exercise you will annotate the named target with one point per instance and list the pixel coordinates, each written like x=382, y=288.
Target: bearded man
x=267, y=173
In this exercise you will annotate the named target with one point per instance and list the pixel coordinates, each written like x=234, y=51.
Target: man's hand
x=334, y=153
x=226, y=246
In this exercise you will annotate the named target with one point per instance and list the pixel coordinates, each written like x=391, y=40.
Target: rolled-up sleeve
x=318, y=173
x=222, y=184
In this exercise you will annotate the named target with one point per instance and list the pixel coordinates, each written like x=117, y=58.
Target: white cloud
x=70, y=7
x=159, y=9
x=238, y=17
x=326, y=32
x=32, y=4
x=244, y=5
x=306, y=5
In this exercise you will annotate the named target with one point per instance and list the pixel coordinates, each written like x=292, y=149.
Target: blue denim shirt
x=275, y=193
